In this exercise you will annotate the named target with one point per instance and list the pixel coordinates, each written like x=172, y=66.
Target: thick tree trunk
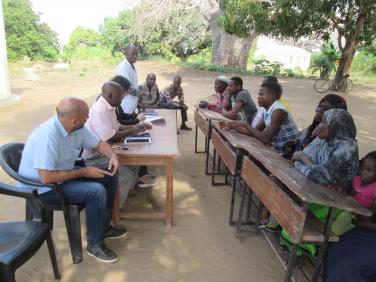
x=229, y=50
x=348, y=51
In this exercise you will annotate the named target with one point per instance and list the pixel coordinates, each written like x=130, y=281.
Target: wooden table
x=161, y=152
x=204, y=120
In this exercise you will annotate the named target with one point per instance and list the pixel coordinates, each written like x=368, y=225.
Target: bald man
x=49, y=156
x=128, y=70
x=103, y=123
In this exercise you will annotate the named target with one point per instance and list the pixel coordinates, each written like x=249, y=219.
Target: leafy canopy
x=26, y=36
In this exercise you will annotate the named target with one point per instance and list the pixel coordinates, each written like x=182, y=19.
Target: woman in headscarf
x=330, y=159
x=333, y=157
x=330, y=101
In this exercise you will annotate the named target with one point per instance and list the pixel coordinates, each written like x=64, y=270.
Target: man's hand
x=113, y=164
x=93, y=172
x=141, y=117
x=297, y=156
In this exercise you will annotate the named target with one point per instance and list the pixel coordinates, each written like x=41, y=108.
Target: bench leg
x=208, y=149
x=239, y=223
x=291, y=263
x=196, y=145
x=249, y=206
x=258, y=217
x=232, y=204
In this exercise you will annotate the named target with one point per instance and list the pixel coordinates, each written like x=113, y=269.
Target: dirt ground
x=201, y=246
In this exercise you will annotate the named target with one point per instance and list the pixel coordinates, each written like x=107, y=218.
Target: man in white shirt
x=127, y=69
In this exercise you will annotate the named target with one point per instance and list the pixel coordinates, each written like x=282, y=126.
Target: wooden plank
x=202, y=123
x=288, y=213
x=209, y=114
x=227, y=155
x=313, y=231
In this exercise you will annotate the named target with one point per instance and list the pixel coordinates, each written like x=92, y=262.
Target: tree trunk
x=348, y=51
x=229, y=50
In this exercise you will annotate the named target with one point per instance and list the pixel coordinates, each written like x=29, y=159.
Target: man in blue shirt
x=49, y=156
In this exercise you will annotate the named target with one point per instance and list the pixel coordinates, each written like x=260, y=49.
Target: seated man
x=49, y=156
x=167, y=97
x=103, y=123
x=277, y=126
x=220, y=87
x=239, y=104
x=149, y=92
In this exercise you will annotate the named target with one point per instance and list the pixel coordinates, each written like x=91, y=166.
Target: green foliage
x=325, y=60
x=170, y=29
x=26, y=36
x=117, y=32
x=238, y=16
x=364, y=62
x=81, y=38
x=264, y=67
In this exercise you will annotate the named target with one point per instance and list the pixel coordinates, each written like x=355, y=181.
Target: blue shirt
x=51, y=147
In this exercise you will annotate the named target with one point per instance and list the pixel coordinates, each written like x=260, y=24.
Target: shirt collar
x=61, y=128
x=106, y=104
x=271, y=108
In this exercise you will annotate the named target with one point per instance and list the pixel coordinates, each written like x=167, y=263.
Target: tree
x=231, y=38
x=116, y=31
x=26, y=36
x=325, y=61
x=353, y=20
x=171, y=26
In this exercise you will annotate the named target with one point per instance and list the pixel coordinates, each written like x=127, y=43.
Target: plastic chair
x=19, y=241
x=10, y=158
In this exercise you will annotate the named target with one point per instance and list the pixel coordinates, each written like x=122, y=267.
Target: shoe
x=115, y=233
x=147, y=181
x=273, y=225
x=102, y=253
x=184, y=127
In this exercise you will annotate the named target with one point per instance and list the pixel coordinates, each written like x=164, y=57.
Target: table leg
x=327, y=229
x=169, y=192
x=291, y=262
x=116, y=209
x=208, y=149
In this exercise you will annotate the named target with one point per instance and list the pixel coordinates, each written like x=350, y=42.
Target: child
x=364, y=185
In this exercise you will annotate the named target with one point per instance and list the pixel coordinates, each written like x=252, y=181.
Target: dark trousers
x=98, y=197
x=176, y=106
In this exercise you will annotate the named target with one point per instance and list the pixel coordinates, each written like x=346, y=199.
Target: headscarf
x=336, y=160
x=337, y=102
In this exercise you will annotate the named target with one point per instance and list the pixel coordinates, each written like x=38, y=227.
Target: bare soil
x=201, y=246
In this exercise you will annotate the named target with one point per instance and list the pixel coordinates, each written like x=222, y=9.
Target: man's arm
x=233, y=113
x=125, y=131
x=278, y=118
x=59, y=176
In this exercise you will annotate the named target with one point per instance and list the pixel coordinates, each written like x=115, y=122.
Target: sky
x=64, y=16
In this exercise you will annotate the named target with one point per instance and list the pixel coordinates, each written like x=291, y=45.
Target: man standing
x=128, y=70
x=239, y=104
x=49, y=156
x=149, y=92
x=103, y=123
x=167, y=97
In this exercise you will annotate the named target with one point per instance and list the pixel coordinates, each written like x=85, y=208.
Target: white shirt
x=102, y=121
x=125, y=69
x=129, y=103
